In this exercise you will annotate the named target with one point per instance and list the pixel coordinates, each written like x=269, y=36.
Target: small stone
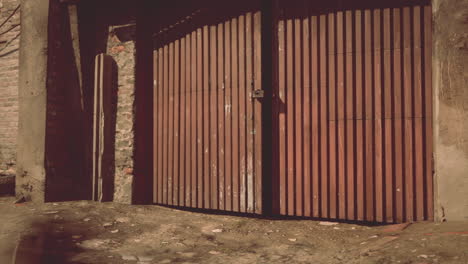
x=114, y=231
x=213, y=252
x=217, y=230
x=87, y=219
x=129, y=257
x=328, y=223
x=293, y=239
x=77, y=236
x=122, y=219
x=187, y=254
x=165, y=261
x=145, y=258
x=336, y=228
x=353, y=228
x=423, y=256
x=107, y=224
x=375, y=236
x=55, y=204
x=164, y=242
x=137, y=240
x=51, y=212
x=94, y=243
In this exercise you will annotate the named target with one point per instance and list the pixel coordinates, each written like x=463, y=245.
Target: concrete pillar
x=450, y=78
x=30, y=180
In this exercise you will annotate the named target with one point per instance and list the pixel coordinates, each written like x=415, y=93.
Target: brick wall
x=9, y=44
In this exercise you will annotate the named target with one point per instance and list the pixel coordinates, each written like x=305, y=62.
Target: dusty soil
x=89, y=232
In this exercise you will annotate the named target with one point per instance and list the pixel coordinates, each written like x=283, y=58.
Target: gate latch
x=258, y=93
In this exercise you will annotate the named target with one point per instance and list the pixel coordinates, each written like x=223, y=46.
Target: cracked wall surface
x=450, y=75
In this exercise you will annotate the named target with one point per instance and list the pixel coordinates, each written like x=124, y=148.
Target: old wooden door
x=353, y=110
x=207, y=123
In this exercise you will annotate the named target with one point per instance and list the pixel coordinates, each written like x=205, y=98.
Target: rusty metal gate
x=207, y=150
x=353, y=111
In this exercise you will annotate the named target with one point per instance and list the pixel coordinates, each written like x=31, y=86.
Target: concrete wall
x=450, y=75
x=9, y=52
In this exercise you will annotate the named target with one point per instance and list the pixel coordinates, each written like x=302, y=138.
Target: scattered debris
x=94, y=243
x=145, y=258
x=377, y=244
x=396, y=228
x=20, y=200
x=51, y=212
x=129, y=257
x=328, y=223
x=122, y=219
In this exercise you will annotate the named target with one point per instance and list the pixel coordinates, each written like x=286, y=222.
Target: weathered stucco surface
x=31, y=174
x=450, y=71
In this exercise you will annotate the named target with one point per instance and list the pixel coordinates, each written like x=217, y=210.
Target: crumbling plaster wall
x=450, y=75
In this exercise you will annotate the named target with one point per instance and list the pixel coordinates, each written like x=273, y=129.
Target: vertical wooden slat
x=193, y=120
x=282, y=115
x=418, y=113
x=315, y=105
x=360, y=115
x=188, y=123
x=257, y=82
x=228, y=115
x=199, y=137
x=214, y=168
x=341, y=110
x=170, y=154
x=324, y=125
x=250, y=114
x=377, y=41
x=368, y=138
x=221, y=115
x=166, y=124
x=290, y=116
x=306, y=119
x=206, y=121
x=298, y=122
x=155, y=123
x=408, y=122
x=398, y=115
x=176, y=166
x=183, y=136
x=333, y=157
x=350, y=123
x=235, y=117
x=159, y=169
x=242, y=117
x=388, y=118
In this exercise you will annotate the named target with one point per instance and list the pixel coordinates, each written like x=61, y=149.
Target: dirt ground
x=89, y=232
